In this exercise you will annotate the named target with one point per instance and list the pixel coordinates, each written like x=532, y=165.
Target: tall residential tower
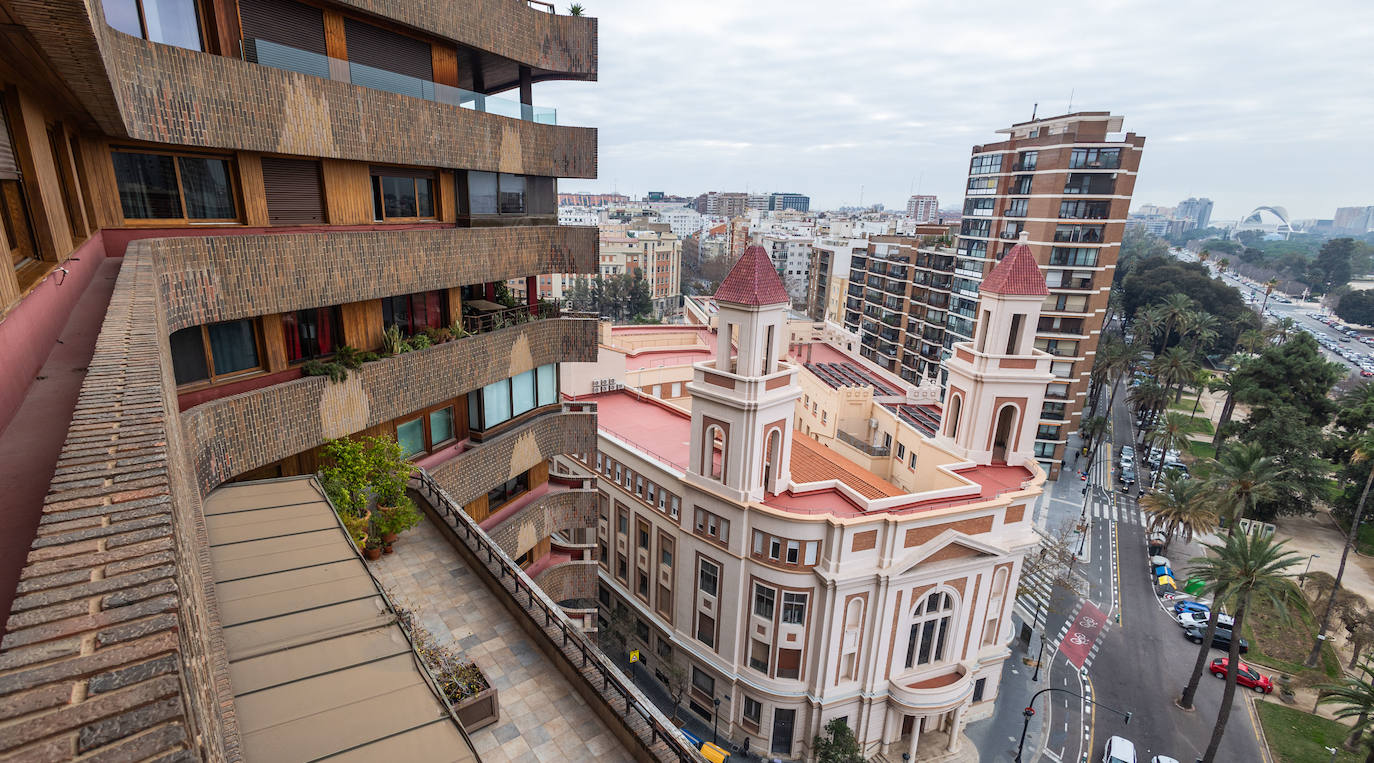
x=1067, y=182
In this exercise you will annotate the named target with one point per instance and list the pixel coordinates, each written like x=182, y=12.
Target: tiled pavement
x=542, y=717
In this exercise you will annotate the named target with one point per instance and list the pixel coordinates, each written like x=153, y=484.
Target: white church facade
x=793, y=585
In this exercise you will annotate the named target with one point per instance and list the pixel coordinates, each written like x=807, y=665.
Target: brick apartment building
x=208, y=196
x=1066, y=181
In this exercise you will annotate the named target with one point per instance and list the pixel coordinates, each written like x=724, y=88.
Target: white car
x=1119, y=750
x=1199, y=619
x=1163, y=759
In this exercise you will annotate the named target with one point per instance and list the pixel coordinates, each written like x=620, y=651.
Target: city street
x=1135, y=659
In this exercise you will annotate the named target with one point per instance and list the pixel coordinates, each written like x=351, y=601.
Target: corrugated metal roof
x=317, y=663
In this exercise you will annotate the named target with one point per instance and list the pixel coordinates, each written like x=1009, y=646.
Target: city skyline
x=898, y=114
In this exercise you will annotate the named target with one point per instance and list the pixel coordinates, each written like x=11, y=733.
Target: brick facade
x=569, y=580
x=571, y=510
x=469, y=475
x=258, y=275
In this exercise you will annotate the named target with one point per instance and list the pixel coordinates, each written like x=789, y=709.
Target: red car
x=1246, y=676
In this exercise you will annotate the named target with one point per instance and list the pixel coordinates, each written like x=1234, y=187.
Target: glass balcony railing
x=280, y=56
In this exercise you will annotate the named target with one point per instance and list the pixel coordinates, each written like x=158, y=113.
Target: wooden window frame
x=217, y=378
x=338, y=327
x=376, y=173
x=423, y=414
x=235, y=189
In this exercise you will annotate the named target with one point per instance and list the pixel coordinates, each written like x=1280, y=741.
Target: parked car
x=1220, y=640
x=1163, y=759
x=1191, y=606
x=1199, y=620
x=1245, y=676
x=1119, y=750
x=1127, y=454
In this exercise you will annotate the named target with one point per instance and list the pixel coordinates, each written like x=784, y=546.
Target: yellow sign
x=634, y=655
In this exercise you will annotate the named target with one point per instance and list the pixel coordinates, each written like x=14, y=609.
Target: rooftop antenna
x=1034, y=108
x=1071, y=100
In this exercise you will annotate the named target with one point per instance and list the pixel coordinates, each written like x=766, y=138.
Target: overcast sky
x=1247, y=103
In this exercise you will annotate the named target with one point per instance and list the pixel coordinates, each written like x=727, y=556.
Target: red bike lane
x=1087, y=625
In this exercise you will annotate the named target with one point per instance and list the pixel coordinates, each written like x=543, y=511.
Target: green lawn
x=1298, y=737
x=1281, y=641
x=1201, y=450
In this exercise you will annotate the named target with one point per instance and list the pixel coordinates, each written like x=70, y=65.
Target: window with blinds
x=384, y=60
x=293, y=191
x=285, y=35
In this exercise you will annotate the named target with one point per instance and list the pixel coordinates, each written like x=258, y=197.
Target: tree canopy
x=621, y=297
x=1153, y=280
x=1357, y=307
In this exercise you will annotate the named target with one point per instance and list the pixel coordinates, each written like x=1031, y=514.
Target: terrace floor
x=542, y=717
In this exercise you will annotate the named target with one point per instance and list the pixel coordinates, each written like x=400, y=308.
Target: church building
x=792, y=585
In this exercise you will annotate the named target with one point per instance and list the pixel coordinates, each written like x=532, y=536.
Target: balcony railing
x=877, y=451
x=278, y=56
x=480, y=322
x=659, y=737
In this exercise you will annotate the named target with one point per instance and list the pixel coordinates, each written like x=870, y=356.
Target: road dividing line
x=1116, y=576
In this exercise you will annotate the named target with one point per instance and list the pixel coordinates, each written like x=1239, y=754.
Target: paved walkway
x=542, y=717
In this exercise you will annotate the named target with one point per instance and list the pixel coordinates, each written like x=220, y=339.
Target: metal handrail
x=513, y=579
x=497, y=319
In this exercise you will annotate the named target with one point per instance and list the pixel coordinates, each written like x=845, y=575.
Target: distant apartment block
x=1066, y=181
x=923, y=209
x=1356, y=220
x=591, y=199
x=1196, y=212
x=829, y=277
x=723, y=204
x=791, y=257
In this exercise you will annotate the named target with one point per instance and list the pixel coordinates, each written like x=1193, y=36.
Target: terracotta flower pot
x=389, y=538
x=373, y=554
x=386, y=548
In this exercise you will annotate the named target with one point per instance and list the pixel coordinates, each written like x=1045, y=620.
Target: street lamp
x=715, y=716
x=1307, y=567
x=1030, y=711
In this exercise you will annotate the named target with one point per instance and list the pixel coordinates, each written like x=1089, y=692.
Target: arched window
x=955, y=404
x=999, y=590
x=930, y=629
x=1002, y=433
x=771, y=458
x=715, y=453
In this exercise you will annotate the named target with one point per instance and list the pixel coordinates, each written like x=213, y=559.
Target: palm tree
x=1171, y=433
x=1243, y=477
x=1222, y=265
x=1245, y=566
x=1251, y=340
x=1283, y=328
x=1180, y=505
x=1147, y=399
x=1202, y=327
x=1356, y=698
x=1202, y=380
x=1174, y=366
x=1122, y=365
x=1175, y=309
x=1362, y=452
x=1092, y=429
x=1268, y=289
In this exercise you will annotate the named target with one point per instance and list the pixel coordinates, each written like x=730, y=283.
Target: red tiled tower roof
x=1017, y=274
x=754, y=281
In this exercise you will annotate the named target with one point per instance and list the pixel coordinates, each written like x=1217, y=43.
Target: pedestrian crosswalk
x=1121, y=513
x=1033, y=595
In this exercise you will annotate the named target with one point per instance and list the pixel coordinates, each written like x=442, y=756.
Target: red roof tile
x=814, y=462
x=1017, y=274
x=753, y=281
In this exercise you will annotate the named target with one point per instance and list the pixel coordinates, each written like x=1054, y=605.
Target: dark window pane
x=188, y=356
x=123, y=15
x=205, y=182
x=147, y=186
x=398, y=196
x=377, y=205
x=232, y=346
x=512, y=194
x=482, y=193
x=173, y=22
x=424, y=197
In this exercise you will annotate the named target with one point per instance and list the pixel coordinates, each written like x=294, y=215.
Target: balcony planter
x=462, y=685
x=479, y=710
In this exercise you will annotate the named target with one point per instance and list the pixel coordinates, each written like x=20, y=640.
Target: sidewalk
x=995, y=738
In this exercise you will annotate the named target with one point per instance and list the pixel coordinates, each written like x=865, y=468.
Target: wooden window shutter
x=384, y=49
x=283, y=22
x=9, y=164
x=293, y=191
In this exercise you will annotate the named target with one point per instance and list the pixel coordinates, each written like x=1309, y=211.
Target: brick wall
x=256, y=275
x=173, y=95
x=113, y=643
x=232, y=435
x=568, y=510
x=471, y=474
x=570, y=580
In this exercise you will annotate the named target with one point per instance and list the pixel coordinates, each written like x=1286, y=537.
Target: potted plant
x=392, y=341
x=372, y=548
x=462, y=683
x=357, y=529
x=390, y=523
x=388, y=472
x=347, y=480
